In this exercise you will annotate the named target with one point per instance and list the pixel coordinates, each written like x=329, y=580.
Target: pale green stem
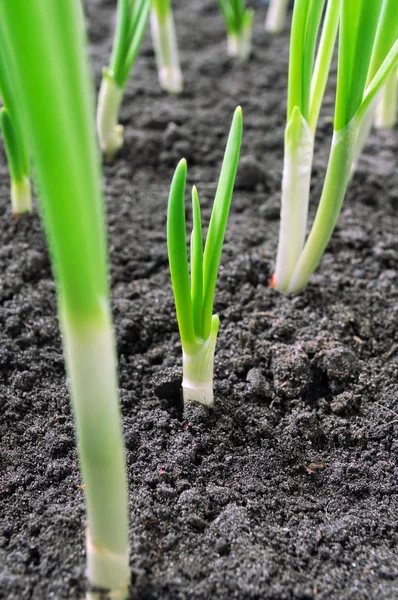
x=337, y=177
x=110, y=133
x=363, y=133
x=239, y=45
x=166, y=51
x=299, y=148
x=91, y=366
x=197, y=382
x=21, y=197
x=386, y=113
x=276, y=16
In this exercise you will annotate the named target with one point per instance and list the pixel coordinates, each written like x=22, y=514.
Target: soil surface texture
x=288, y=488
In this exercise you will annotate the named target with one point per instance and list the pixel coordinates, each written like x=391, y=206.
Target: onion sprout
x=15, y=141
x=132, y=19
x=355, y=94
x=239, y=22
x=276, y=16
x=48, y=45
x=306, y=87
x=194, y=293
x=165, y=45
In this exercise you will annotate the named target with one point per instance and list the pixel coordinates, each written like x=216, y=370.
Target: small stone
x=339, y=364
x=291, y=371
x=258, y=384
x=167, y=383
x=250, y=174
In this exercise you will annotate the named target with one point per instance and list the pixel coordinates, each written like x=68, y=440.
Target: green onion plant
x=132, y=19
x=383, y=110
x=356, y=91
x=48, y=45
x=194, y=287
x=306, y=87
x=239, y=22
x=15, y=140
x=276, y=16
x=165, y=46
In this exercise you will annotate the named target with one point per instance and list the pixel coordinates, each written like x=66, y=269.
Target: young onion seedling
x=194, y=292
x=354, y=97
x=47, y=42
x=239, y=22
x=276, y=16
x=15, y=141
x=165, y=45
x=132, y=19
x=306, y=87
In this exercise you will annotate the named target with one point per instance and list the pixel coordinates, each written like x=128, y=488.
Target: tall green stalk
x=48, y=45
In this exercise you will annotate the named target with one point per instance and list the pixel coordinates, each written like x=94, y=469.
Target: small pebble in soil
x=291, y=371
x=340, y=365
x=167, y=383
x=250, y=174
x=258, y=385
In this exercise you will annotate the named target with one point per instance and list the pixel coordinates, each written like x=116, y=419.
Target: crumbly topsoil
x=287, y=489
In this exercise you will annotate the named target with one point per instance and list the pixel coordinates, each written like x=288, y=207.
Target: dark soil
x=288, y=488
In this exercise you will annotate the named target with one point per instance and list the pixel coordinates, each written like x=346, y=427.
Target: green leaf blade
x=196, y=264
x=178, y=259
x=219, y=217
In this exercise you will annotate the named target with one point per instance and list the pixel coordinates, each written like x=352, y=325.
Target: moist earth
x=288, y=488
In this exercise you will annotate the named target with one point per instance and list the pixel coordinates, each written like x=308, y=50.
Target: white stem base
x=21, y=197
x=110, y=133
x=106, y=567
x=197, y=380
x=276, y=16
x=166, y=52
x=240, y=45
x=337, y=177
x=91, y=364
x=299, y=148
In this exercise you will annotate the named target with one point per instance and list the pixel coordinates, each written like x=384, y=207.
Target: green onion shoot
x=306, y=87
x=15, y=141
x=383, y=111
x=194, y=287
x=276, y=16
x=239, y=23
x=132, y=19
x=357, y=88
x=165, y=46
x=47, y=41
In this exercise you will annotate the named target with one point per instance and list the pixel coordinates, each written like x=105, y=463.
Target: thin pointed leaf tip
x=194, y=281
